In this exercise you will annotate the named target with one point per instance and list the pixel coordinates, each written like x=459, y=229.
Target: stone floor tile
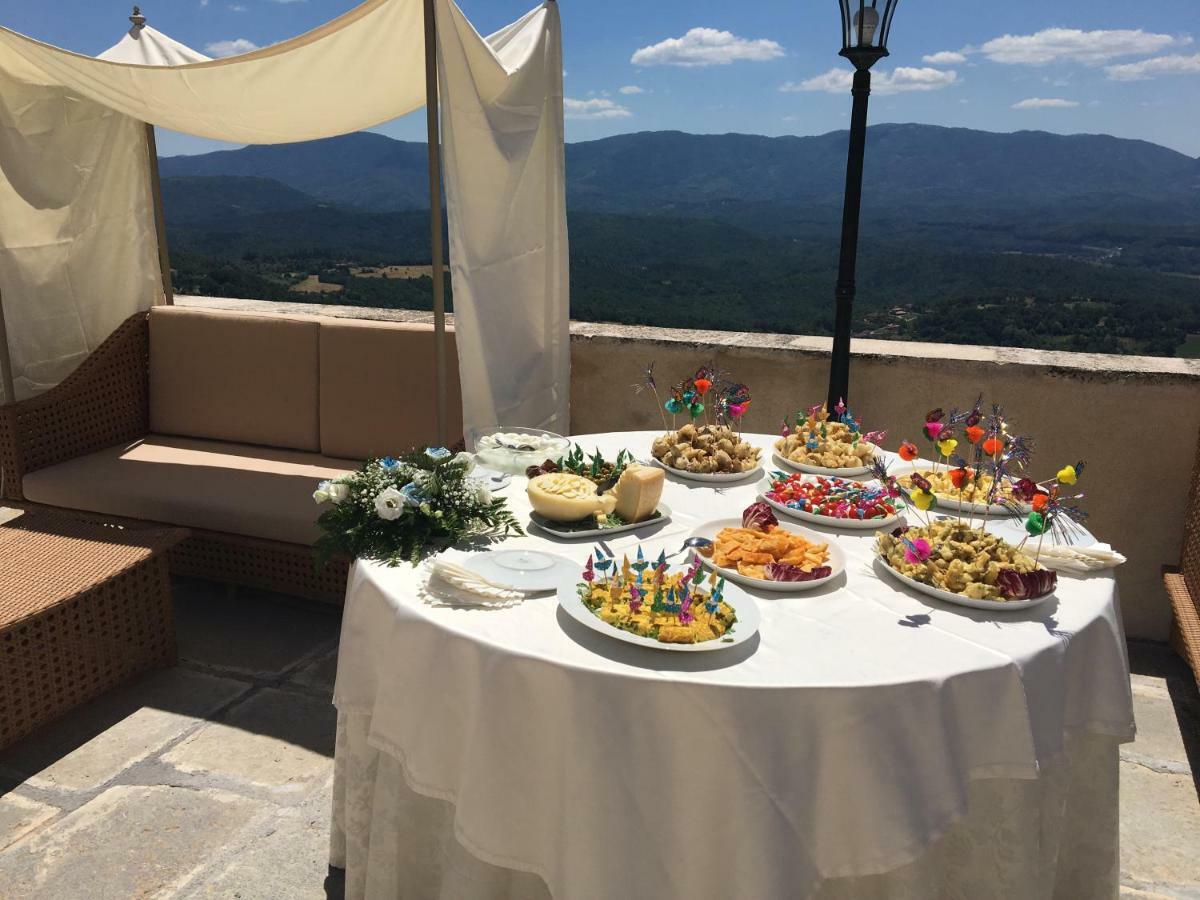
x=245, y=631
x=274, y=738
x=1161, y=735
x=285, y=856
x=20, y=816
x=1160, y=828
x=127, y=842
x=100, y=739
x=319, y=675
x=1155, y=659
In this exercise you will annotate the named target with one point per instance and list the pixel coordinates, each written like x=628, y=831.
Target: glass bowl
x=514, y=449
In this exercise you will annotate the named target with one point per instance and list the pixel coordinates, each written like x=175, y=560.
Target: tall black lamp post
x=865, y=31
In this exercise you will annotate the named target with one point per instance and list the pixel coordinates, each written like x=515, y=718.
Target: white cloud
x=945, y=58
x=230, y=48
x=1072, y=44
x=599, y=108
x=1044, y=103
x=1175, y=64
x=631, y=89
x=706, y=47
x=900, y=80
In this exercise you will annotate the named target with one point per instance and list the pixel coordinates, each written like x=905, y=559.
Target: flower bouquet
x=395, y=510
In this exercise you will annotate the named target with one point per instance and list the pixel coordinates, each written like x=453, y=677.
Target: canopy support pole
x=160, y=222
x=435, y=216
x=6, y=375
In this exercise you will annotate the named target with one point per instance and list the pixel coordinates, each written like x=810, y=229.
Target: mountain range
x=908, y=167
x=735, y=231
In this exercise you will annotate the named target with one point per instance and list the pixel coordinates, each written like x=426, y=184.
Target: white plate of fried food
x=974, y=576
x=706, y=453
x=949, y=498
x=781, y=558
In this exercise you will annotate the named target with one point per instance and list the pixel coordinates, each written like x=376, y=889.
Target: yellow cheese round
x=563, y=497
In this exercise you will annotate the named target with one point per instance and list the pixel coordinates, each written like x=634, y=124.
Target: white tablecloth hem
x=880, y=865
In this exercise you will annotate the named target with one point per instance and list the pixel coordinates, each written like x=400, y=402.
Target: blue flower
x=389, y=464
x=411, y=495
x=437, y=453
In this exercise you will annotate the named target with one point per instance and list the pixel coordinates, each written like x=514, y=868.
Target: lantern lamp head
x=866, y=25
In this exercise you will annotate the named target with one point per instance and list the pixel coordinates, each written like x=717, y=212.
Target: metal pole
x=435, y=216
x=839, y=365
x=6, y=375
x=160, y=222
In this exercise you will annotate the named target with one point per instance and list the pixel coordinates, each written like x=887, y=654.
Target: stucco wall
x=1135, y=420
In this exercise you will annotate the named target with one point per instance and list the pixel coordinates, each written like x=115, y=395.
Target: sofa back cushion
x=235, y=377
x=378, y=388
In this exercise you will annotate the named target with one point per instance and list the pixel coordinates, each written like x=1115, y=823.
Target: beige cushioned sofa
x=224, y=423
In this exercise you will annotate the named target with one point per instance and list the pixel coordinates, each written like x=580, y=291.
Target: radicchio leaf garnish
x=1016, y=585
x=786, y=572
x=759, y=517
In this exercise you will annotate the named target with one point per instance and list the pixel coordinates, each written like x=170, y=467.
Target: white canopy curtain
x=77, y=248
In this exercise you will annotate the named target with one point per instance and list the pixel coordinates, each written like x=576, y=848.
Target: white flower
x=389, y=503
x=480, y=491
x=338, y=490
x=321, y=494
x=466, y=460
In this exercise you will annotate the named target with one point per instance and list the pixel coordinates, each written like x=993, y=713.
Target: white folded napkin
x=450, y=584
x=1064, y=558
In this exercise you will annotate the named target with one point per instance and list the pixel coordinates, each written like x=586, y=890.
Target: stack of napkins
x=1064, y=558
x=452, y=585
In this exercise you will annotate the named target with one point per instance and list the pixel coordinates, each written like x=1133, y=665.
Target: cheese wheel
x=638, y=491
x=563, y=497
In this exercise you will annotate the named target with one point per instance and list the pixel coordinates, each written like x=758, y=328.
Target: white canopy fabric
x=505, y=193
x=77, y=245
x=362, y=69
x=145, y=46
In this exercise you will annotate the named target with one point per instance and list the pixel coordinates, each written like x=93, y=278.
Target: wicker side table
x=83, y=607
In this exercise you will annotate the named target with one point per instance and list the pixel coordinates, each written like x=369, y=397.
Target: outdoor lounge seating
x=224, y=423
x=85, y=607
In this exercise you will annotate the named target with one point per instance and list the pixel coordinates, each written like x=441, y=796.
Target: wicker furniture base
x=83, y=608
x=269, y=565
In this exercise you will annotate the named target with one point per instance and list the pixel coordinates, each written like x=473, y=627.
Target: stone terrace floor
x=213, y=779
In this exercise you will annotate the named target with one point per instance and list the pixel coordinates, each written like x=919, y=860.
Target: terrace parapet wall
x=1134, y=419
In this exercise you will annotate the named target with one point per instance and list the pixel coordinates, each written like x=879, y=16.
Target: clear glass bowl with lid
x=514, y=449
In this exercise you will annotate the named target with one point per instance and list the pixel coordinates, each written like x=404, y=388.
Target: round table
x=870, y=741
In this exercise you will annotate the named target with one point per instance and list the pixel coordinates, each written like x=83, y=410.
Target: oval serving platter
x=748, y=620
x=836, y=561
x=572, y=531
x=785, y=463
x=710, y=478
x=831, y=522
x=959, y=599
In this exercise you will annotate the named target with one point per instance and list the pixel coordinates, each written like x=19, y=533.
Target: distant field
x=1190, y=349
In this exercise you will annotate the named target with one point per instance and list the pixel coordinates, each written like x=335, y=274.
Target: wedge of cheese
x=638, y=491
x=563, y=497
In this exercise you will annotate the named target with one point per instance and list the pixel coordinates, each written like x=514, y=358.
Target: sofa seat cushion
x=379, y=388
x=227, y=376
x=216, y=486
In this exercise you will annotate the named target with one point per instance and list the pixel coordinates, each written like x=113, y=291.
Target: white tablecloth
x=866, y=734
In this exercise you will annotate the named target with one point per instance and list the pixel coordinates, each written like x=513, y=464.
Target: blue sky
x=770, y=66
